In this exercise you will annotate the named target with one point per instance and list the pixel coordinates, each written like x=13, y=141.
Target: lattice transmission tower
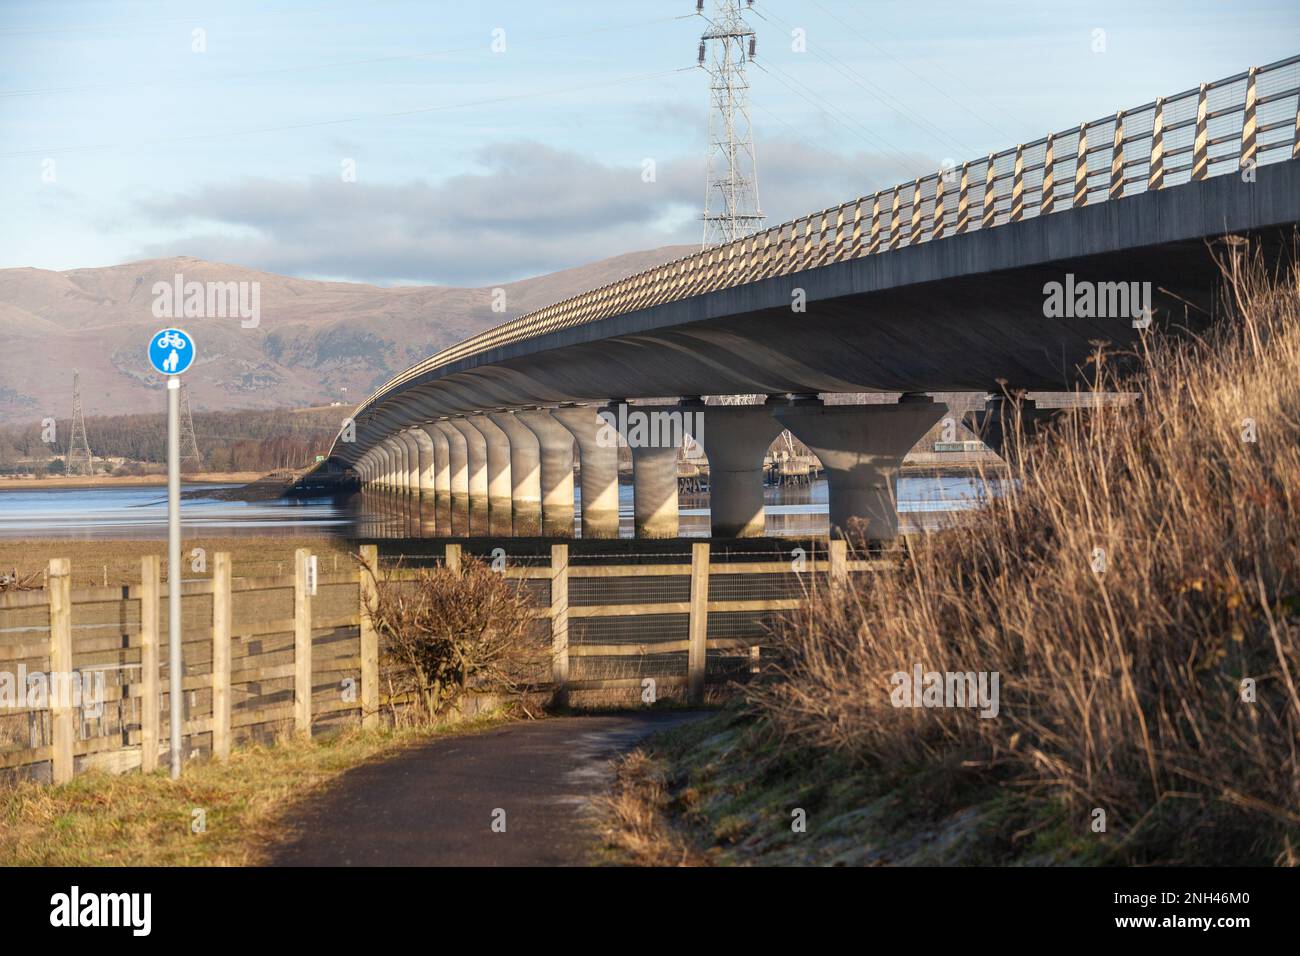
x=78, y=460
x=189, y=446
x=731, y=206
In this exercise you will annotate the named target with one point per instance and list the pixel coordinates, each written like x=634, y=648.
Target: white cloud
x=530, y=209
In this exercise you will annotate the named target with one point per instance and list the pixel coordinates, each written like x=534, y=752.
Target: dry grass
x=635, y=817
x=1120, y=690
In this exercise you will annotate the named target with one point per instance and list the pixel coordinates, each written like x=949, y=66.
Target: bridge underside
x=962, y=313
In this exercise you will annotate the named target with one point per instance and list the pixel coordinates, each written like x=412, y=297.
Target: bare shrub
x=1126, y=688
x=447, y=632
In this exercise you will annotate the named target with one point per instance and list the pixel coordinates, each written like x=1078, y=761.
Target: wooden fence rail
x=267, y=645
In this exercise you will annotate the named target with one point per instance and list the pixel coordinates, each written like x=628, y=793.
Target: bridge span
x=996, y=275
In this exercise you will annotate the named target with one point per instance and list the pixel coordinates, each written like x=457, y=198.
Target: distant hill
x=314, y=339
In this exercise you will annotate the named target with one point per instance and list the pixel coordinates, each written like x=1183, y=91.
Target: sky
x=472, y=143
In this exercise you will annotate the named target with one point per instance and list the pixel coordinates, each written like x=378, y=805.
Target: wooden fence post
x=452, y=559
x=369, y=639
x=150, y=576
x=59, y=590
x=697, y=653
x=221, y=614
x=560, y=622
x=301, y=643
x=839, y=560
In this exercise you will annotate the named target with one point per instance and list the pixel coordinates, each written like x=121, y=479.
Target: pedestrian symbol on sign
x=171, y=351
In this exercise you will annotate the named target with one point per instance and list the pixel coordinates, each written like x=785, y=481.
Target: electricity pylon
x=189, y=446
x=731, y=206
x=78, y=461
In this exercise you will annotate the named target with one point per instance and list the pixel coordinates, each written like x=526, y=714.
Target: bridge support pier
x=555, y=448
x=862, y=448
x=735, y=438
x=654, y=492
x=396, y=463
x=397, y=480
x=477, y=475
x=397, y=474
x=1002, y=415
x=599, y=475
x=525, y=473
x=457, y=476
x=409, y=476
x=499, y=483
x=654, y=434
x=412, y=502
x=441, y=478
x=422, y=459
x=423, y=497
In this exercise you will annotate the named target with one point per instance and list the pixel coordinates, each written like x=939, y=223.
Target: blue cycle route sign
x=171, y=351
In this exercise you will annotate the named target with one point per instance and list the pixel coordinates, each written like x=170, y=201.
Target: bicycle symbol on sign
x=171, y=340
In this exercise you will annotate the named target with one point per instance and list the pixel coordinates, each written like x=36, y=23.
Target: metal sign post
x=171, y=352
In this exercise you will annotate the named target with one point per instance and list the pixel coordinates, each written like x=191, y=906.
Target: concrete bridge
x=998, y=274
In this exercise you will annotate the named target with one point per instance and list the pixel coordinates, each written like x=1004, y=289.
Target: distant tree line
x=227, y=441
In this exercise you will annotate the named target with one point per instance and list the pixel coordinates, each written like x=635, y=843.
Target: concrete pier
x=736, y=439
x=654, y=492
x=862, y=448
x=441, y=478
x=412, y=448
x=477, y=471
x=424, y=459
x=441, y=471
x=555, y=445
x=525, y=473
x=1002, y=416
x=457, y=476
x=499, y=483
x=397, y=464
x=599, y=475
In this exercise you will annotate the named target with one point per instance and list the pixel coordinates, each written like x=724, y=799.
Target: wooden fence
x=268, y=656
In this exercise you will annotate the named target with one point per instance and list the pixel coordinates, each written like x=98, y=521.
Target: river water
x=141, y=512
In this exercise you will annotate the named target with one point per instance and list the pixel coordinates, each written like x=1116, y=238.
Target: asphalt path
x=518, y=795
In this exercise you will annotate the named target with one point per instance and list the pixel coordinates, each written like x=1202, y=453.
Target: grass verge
x=724, y=792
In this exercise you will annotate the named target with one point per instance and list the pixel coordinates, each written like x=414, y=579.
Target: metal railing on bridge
x=1241, y=121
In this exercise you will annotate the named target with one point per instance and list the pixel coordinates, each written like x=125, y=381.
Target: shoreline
x=129, y=481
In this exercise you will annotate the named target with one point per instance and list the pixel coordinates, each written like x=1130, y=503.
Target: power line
x=902, y=110
x=189, y=79
x=874, y=140
x=904, y=65
x=196, y=137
